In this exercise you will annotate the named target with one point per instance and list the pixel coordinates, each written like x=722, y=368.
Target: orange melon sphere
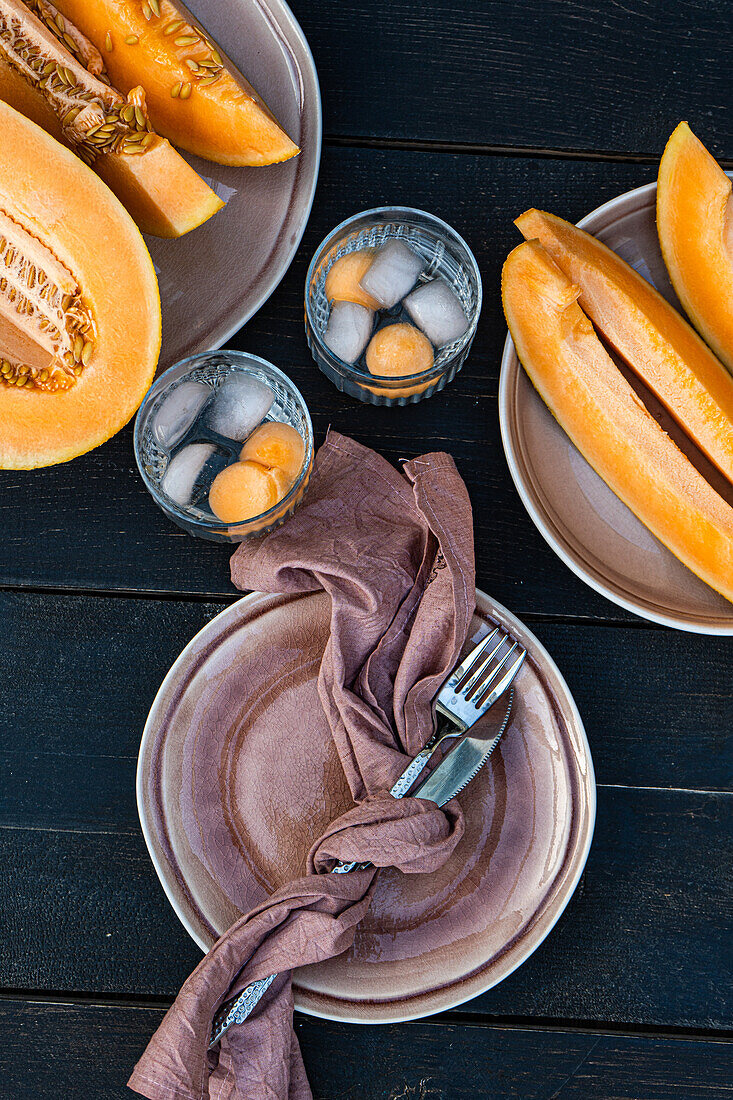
x=276, y=446
x=398, y=350
x=344, y=278
x=245, y=490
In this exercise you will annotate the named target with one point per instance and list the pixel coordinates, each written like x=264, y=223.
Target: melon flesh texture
x=65, y=224
x=224, y=120
x=695, y=227
x=607, y=422
x=162, y=192
x=648, y=334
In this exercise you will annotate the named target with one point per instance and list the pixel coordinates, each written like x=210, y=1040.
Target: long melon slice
x=79, y=305
x=695, y=226
x=648, y=334
x=196, y=95
x=56, y=77
x=607, y=422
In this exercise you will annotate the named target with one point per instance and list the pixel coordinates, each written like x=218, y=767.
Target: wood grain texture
x=643, y=942
x=545, y=73
x=48, y=1049
x=91, y=523
x=69, y=738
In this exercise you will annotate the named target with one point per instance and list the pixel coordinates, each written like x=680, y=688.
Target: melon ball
x=398, y=350
x=245, y=490
x=276, y=446
x=342, y=281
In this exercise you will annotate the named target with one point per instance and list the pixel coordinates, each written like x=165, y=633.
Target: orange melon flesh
x=695, y=227
x=648, y=334
x=276, y=446
x=224, y=121
x=344, y=278
x=245, y=490
x=607, y=422
x=165, y=196
x=75, y=217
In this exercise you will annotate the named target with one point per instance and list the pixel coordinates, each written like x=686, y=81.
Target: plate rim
x=213, y=344
x=301, y=997
x=507, y=373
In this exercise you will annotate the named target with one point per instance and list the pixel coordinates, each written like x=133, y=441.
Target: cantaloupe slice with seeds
x=695, y=226
x=197, y=97
x=606, y=420
x=68, y=94
x=648, y=334
x=79, y=305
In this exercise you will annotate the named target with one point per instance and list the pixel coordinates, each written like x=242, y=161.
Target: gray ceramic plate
x=214, y=279
x=227, y=821
x=582, y=520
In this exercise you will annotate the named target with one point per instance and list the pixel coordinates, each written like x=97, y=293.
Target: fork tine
x=468, y=688
x=477, y=673
x=487, y=700
x=465, y=666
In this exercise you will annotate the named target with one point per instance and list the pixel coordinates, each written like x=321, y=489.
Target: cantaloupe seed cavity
x=36, y=40
x=47, y=332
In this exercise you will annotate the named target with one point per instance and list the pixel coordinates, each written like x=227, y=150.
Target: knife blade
x=461, y=764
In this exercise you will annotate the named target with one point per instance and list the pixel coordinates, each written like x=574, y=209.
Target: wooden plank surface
x=643, y=942
x=72, y=713
x=546, y=73
x=91, y=524
x=69, y=1050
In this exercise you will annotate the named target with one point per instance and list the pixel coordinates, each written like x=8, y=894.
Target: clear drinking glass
x=447, y=256
x=212, y=368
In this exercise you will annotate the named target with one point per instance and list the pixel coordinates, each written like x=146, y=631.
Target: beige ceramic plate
x=582, y=520
x=223, y=817
x=214, y=279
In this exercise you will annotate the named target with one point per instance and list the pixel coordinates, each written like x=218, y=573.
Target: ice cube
x=240, y=403
x=348, y=330
x=178, y=412
x=437, y=310
x=182, y=481
x=393, y=273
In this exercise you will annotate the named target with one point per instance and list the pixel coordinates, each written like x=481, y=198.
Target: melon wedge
x=695, y=226
x=607, y=422
x=79, y=305
x=648, y=334
x=196, y=95
x=161, y=191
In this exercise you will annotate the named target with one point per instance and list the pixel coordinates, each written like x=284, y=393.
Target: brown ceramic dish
x=216, y=277
x=583, y=521
x=226, y=822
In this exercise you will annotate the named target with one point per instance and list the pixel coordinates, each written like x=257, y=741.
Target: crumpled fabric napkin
x=394, y=549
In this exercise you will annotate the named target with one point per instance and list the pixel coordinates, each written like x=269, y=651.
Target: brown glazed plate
x=227, y=820
x=215, y=278
x=586, y=525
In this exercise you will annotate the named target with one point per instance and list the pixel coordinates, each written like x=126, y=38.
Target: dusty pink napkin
x=395, y=552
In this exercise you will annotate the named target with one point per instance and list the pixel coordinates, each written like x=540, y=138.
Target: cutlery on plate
x=467, y=694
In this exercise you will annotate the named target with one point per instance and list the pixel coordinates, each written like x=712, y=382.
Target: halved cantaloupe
x=56, y=77
x=79, y=305
x=196, y=96
x=607, y=422
x=648, y=334
x=695, y=226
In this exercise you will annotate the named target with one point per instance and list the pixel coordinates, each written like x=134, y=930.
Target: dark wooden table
x=474, y=112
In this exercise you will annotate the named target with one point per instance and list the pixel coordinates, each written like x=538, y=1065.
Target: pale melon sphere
x=245, y=490
x=399, y=350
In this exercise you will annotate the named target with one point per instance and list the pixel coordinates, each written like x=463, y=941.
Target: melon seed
x=208, y=80
x=108, y=42
x=132, y=40
x=140, y=117
x=86, y=353
x=185, y=91
x=176, y=90
x=128, y=112
x=147, y=11
x=186, y=40
x=78, y=347
x=173, y=27
x=155, y=5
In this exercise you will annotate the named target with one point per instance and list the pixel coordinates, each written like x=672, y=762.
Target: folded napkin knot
x=394, y=551
x=411, y=834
